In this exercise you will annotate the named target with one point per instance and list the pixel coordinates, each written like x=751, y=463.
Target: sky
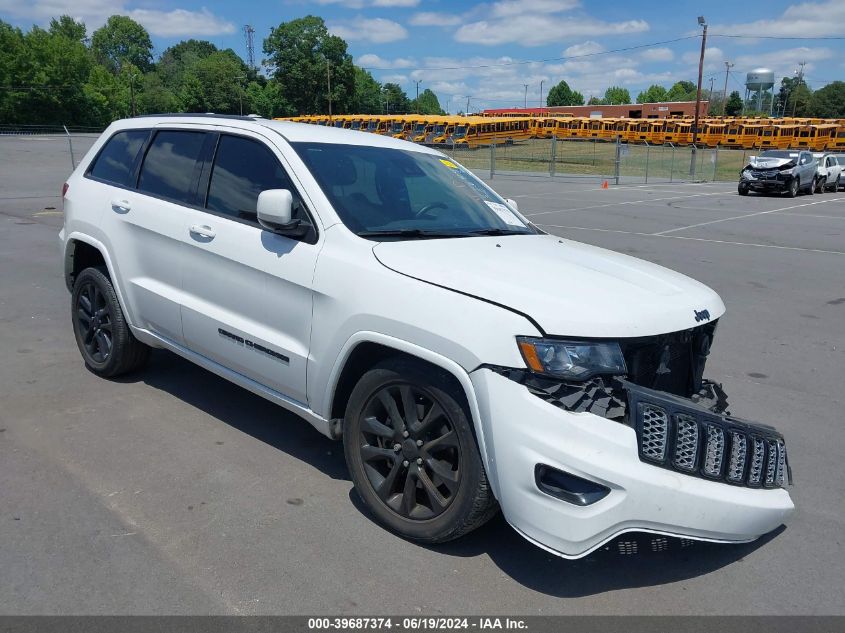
x=488, y=52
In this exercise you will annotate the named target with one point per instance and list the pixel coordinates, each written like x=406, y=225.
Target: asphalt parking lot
x=173, y=491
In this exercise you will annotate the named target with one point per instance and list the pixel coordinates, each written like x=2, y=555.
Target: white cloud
x=509, y=8
x=429, y=18
x=371, y=60
x=587, y=48
x=658, y=55
x=395, y=3
x=172, y=23
x=538, y=29
x=375, y=30
x=358, y=4
x=180, y=22
x=713, y=58
x=807, y=19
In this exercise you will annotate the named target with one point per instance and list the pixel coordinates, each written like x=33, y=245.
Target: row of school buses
x=479, y=131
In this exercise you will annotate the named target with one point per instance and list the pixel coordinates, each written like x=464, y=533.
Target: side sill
x=294, y=406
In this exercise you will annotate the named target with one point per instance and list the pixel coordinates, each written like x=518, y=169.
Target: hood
x=766, y=162
x=567, y=288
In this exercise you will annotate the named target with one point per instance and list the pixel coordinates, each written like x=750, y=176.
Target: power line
x=780, y=37
x=539, y=61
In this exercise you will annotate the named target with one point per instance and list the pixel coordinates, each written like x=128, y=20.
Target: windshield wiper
x=499, y=232
x=420, y=233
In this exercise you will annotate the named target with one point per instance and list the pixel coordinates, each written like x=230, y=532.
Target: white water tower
x=757, y=83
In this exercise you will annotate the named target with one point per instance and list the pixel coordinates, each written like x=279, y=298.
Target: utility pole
x=526, y=96
x=797, y=84
x=132, y=91
x=710, y=95
x=418, y=82
x=728, y=67
x=703, y=23
x=329, y=84
x=240, y=93
x=541, y=92
x=467, y=110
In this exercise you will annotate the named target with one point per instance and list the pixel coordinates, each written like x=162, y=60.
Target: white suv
x=381, y=291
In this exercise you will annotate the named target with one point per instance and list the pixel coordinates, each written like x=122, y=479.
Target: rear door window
x=170, y=165
x=116, y=160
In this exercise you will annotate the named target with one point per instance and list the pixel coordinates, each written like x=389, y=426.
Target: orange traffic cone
x=604, y=185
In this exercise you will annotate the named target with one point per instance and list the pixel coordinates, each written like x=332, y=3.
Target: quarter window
x=117, y=158
x=243, y=168
x=170, y=163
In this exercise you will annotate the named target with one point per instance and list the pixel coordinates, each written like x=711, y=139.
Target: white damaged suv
x=381, y=291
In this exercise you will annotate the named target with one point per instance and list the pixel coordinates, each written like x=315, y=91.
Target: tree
x=155, y=97
x=563, y=95
x=67, y=27
x=829, y=102
x=367, y=97
x=617, y=95
x=798, y=102
x=301, y=53
x=394, y=98
x=734, y=105
x=175, y=60
x=120, y=41
x=682, y=91
x=654, y=94
x=428, y=103
x=265, y=98
x=215, y=84
x=594, y=100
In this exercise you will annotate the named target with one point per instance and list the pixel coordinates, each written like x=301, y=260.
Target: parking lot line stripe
x=746, y=215
x=619, y=204
x=695, y=239
x=813, y=215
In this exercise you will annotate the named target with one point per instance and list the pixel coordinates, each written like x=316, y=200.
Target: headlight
x=571, y=360
x=746, y=173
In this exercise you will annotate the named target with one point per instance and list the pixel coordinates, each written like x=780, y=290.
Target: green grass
x=598, y=159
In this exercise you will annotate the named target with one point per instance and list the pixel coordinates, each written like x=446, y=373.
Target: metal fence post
x=672, y=166
x=715, y=162
x=70, y=144
x=492, y=158
x=692, y=163
x=618, y=158
x=647, y=156
x=594, y=152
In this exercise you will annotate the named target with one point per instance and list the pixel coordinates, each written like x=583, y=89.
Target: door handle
x=121, y=206
x=202, y=230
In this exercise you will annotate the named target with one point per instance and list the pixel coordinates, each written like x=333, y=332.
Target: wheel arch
x=82, y=251
x=365, y=349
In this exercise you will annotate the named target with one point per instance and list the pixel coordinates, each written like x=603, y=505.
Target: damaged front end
x=681, y=419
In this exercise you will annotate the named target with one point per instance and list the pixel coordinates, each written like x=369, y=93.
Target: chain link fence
x=79, y=139
x=613, y=160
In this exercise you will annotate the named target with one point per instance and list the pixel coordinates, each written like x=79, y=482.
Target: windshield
x=408, y=194
x=460, y=130
x=398, y=127
x=419, y=128
x=773, y=153
x=439, y=129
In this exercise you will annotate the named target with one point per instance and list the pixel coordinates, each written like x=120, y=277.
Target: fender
x=427, y=355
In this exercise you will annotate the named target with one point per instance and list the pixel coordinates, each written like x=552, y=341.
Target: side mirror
x=512, y=203
x=275, y=211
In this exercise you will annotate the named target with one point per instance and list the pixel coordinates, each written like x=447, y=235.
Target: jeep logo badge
x=704, y=315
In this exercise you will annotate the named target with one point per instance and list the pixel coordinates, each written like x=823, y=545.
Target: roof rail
x=202, y=115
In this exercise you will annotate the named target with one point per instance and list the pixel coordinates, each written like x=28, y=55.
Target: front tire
x=107, y=345
x=821, y=185
x=794, y=187
x=742, y=189
x=412, y=454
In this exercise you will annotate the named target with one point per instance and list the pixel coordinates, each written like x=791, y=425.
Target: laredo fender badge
x=704, y=315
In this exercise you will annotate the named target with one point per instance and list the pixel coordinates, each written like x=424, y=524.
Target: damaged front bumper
x=647, y=461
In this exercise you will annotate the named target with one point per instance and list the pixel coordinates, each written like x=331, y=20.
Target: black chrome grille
x=676, y=434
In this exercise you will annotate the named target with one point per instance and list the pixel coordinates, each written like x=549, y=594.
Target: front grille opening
x=645, y=544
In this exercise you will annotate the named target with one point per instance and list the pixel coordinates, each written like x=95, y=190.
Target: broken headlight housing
x=571, y=360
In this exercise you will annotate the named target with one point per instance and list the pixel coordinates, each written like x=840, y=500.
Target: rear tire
x=412, y=454
x=107, y=345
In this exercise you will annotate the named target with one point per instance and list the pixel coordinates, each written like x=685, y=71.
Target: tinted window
x=117, y=157
x=168, y=169
x=242, y=169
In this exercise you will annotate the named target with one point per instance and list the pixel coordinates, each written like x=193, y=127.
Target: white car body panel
x=458, y=304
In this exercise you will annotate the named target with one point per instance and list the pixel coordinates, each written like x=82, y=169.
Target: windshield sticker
x=448, y=163
x=505, y=214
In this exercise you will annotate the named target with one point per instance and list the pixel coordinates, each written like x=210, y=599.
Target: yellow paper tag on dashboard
x=448, y=163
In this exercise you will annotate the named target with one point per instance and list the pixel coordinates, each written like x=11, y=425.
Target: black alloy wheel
x=102, y=334
x=95, y=322
x=412, y=455
x=410, y=451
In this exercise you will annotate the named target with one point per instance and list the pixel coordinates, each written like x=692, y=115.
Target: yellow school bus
x=816, y=136
x=484, y=131
x=678, y=132
x=712, y=133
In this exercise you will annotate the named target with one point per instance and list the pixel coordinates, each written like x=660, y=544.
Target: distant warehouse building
x=629, y=111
